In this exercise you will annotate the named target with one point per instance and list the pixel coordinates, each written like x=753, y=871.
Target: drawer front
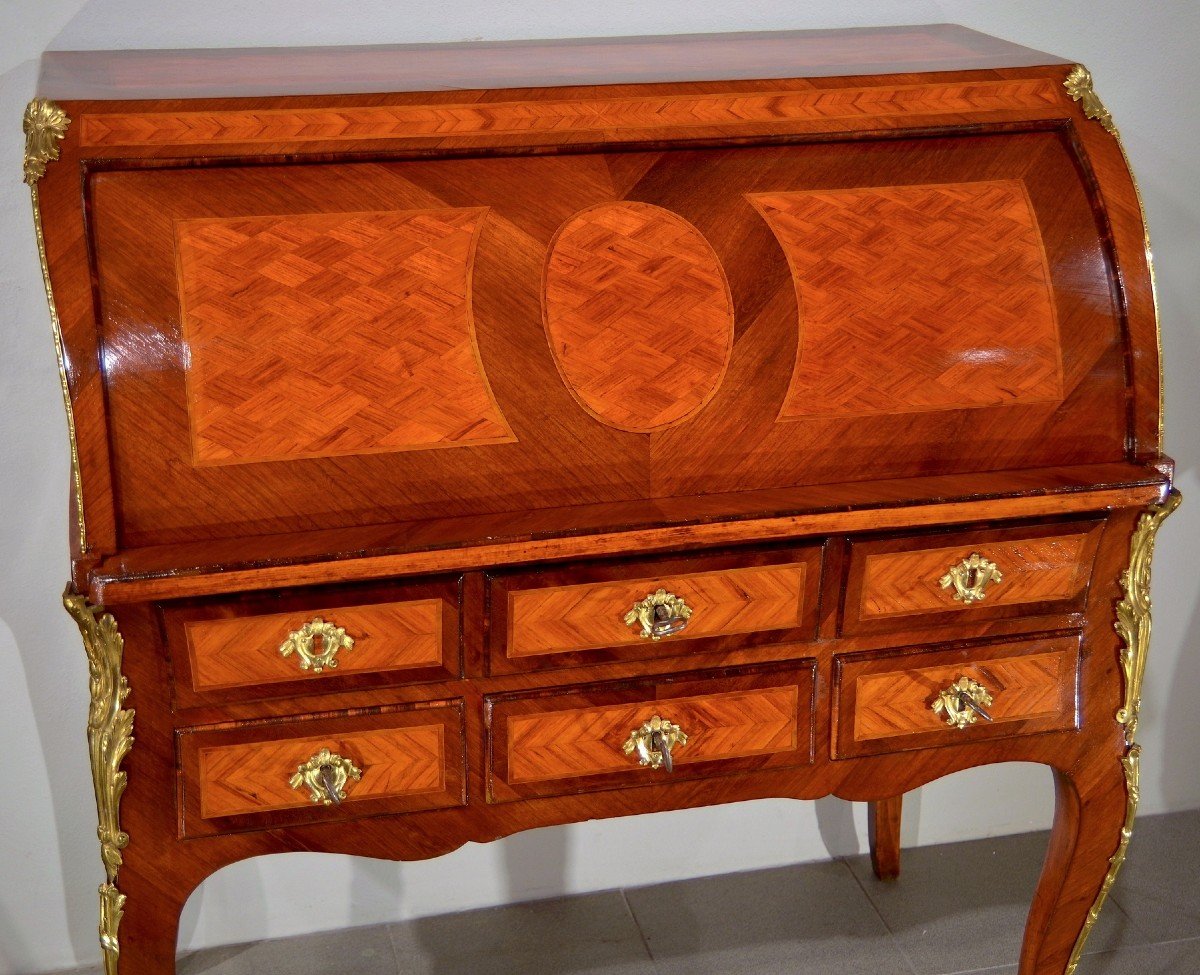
x=305, y=641
x=253, y=776
x=562, y=742
x=583, y=613
x=899, y=583
x=889, y=701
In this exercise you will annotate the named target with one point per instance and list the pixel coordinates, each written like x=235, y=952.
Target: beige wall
x=1145, y=62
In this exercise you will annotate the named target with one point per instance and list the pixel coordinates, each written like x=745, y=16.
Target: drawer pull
x=660, y=614
x=654, y=742
x=302, y=643
x=325, y=775
x=970, y=578
x=963, y=703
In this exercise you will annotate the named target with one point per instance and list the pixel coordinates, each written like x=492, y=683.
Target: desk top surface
x=218, y=73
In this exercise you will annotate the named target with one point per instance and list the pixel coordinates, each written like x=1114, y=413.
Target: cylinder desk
x=474, y=438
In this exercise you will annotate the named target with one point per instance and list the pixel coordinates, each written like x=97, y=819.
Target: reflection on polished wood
x=939, y=297
x=470, y=368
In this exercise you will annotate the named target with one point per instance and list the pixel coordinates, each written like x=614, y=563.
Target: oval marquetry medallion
x=638, y=314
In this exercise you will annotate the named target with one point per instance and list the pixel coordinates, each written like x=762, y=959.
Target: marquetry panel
x=563, y=744
x=916, y=298
x=638, y=314
x=616, y=117
x=554, y=619
x=885, y=699
x=238, y=775
x=572, y=740
x=335, y=333
x=245, y=651
x=1045, y=569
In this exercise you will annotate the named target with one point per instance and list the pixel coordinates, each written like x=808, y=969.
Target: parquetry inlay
x=328, y=334
x=638, y=314
x=916, y=298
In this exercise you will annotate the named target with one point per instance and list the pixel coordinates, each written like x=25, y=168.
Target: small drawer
x=559, y=742
x=960, y=577
x=892, y=700
x=252, y=775
x=588, y=613
x=313, y=640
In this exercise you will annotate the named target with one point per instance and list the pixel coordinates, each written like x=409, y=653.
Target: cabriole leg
x=883, y=830
x=1093, y=822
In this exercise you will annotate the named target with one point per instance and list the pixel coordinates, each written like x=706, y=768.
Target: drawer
x=263, y=774
x=885, y=701
x=961, y=577
x=558, y=742
x=305, y=640
x=588, y=612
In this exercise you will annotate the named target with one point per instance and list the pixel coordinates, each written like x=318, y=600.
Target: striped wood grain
x=917, y=298
x=335, y=333
x=619, y=118
x=1034, y=570
x=253, y=777
x=638, y=314
x=244, y=651
x=898, y=703
x=588, y=741
x=555, y=619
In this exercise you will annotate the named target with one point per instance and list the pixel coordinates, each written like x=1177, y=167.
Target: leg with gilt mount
x=110, y=737
x=1097, y=800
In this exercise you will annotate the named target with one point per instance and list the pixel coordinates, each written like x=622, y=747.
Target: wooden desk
x=482, y=437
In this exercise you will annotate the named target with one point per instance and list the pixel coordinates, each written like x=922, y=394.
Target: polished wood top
x=518, y=64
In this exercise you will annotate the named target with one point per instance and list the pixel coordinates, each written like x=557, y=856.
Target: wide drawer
x=592, y=612
x=961, y=577
x=897, y=700
x=584, y=739
x=263, y=774
x=322, y=639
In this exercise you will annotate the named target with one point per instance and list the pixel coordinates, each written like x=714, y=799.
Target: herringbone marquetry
x=588, y=741
x=638, y=314
x=562, y=618
x=917, y=298
x=614, y=116
x=899, y=702
x=253, y=777
x=326, y=334
x=1034, y=570
x=244, y=651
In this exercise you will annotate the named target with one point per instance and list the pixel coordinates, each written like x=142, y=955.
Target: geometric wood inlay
x=554, y=619
x=245, y=650
x=253, y=777
x=638, y=314
x=897, y=702
x=588, y=741
x=916, y=298
x=612, y=116
x=1032, y=570
x=328, y=334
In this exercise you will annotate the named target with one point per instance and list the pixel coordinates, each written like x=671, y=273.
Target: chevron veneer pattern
x=244, y=651
x=332, y=333
x=588, y=741
x=1034, y=570
x=556, y=619
x=917, y=298
x=253, y=777
x=617, y=118
x=638, y=314
x=898, y=702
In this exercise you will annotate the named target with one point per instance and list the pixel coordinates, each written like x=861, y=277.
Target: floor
x=957, y=908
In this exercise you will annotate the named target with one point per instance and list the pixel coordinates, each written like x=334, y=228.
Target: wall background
x=1144, y=58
